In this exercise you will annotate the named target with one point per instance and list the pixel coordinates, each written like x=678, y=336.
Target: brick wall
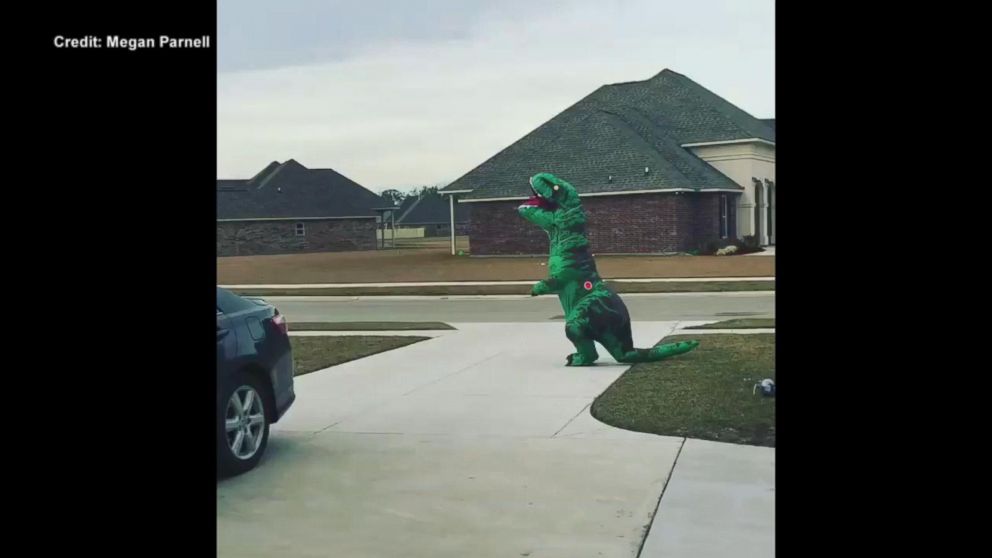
x=245, y=238
x=625, y=224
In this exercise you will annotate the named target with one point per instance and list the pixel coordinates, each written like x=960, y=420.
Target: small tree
x=418, y=191
x=392, y=196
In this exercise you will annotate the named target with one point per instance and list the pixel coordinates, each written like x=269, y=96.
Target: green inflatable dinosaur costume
x=593, y=311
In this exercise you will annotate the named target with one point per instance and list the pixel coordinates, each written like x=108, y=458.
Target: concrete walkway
x=552, y=298
x=682, y=329
x=768, y=251
x=474, y=443
x=398, y=332
x=481, y=283
x=719, y=503
x=744, y=331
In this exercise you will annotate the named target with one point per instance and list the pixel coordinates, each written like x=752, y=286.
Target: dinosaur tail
x=660, y=352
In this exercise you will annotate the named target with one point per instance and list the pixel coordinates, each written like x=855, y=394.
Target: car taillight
x=280, y=322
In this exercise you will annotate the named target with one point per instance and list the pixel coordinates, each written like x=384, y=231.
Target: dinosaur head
x=551, y=195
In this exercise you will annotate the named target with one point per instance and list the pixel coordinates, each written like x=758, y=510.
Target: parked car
x=254, y=378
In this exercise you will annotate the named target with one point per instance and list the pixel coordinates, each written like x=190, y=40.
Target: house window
x=301, y=229
x=724, y=224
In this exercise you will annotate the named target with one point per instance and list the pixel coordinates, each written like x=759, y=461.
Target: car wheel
x=243, y=426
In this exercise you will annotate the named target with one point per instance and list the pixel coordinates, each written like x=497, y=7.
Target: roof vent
x=646, y=171
x=278, y=188
x=610, y=179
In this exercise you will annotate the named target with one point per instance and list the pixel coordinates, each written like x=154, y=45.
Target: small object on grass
x=767, y=387
x=461, y=252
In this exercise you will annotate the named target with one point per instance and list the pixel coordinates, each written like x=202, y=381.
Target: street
x=642, y=307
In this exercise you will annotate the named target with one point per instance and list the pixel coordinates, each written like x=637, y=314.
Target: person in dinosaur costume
x=593, y=311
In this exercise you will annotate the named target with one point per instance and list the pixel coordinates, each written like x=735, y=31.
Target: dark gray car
x=254, y=378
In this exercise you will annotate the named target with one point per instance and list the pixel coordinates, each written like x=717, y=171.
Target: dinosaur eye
x=556, y=187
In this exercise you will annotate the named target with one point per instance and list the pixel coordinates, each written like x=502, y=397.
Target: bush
x=727, y=250
x=710, y=247
x=747, y=245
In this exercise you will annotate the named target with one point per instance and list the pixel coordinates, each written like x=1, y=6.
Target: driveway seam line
x=582, y=410
x=657, y=506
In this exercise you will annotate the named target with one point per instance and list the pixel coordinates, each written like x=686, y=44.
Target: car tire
x=242, y=433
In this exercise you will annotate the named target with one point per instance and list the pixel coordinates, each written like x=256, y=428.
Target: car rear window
x=228, y=302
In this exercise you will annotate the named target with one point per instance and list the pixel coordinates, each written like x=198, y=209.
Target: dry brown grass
x=433, y=262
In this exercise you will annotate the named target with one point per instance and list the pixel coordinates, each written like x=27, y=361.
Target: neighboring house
x=431, y=212
x=289, y=208
x=663, y=165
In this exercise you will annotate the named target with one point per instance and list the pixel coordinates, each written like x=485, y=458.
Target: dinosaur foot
x=579, y=359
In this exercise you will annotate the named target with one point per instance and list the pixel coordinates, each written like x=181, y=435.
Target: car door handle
x=222, y=333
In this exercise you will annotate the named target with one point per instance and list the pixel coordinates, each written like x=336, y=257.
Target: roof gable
x=604, y=142
x=430, y=208
x=290, y=190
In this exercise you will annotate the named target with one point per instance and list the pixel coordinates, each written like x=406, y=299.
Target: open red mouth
x=539, y=201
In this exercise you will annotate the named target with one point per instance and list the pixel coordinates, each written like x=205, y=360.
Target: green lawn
x=367, y=326
x=740, y=323
x=316, y=353
x=704, y=394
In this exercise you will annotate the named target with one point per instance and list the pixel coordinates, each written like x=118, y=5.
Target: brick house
x=430, y=211
x=289, y=208
x=663, y=165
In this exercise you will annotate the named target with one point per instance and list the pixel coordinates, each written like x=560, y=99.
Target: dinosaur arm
x=561, y=270
x=546, y=286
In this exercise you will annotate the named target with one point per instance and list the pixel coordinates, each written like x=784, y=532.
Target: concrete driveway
x=478, y=443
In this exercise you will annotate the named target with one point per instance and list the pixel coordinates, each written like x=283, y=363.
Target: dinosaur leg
x=585, y=347
x=616, y=345
x=616, y=336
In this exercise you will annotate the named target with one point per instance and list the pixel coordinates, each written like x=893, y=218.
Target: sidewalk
x=382, y=298
x=382, y=333
x=719, y=502
x=487, y=283
x=769, y=251
x=681, y=330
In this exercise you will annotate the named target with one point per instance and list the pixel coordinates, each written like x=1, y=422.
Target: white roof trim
x=659, y=191
x=728, y=142
x=628, y=192
x=494, y=199
x=446, y=192
x=295, y=218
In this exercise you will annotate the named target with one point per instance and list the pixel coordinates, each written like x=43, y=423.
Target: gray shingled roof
x=604, y=142
x=430, y=209
x=290, y=190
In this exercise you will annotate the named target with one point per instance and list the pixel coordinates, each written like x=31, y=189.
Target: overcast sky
x=394, y=93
